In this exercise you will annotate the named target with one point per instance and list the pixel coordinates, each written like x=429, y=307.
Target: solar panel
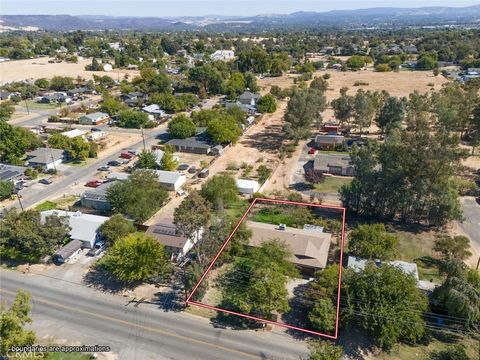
x=8, y=174
x=163, y=230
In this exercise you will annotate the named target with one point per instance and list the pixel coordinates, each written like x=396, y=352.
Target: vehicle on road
x=104, y=168
x=204, y=173
x=46, y=181
x=97, y=249
x=95, y=129
x=126, y=155
x=94, y=183
x=114, y=163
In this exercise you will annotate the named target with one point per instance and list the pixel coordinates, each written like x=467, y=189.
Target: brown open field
x=40, y=68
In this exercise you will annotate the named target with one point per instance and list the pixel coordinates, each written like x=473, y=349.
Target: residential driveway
x=471, y=225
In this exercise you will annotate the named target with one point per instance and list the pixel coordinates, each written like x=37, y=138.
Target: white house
x=247, y=187
x=74, y=133
x=222, y=55
x=45, y=158
x=84, y=227
x=95, y=118
x=171, y=180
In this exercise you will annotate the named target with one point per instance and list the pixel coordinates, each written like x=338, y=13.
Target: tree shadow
x=356, y=343
x=269, y=139
x=100, y=279
x=224, y=320
x=298, y=314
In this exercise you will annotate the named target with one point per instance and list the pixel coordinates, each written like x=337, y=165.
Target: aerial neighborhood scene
x=240, y=180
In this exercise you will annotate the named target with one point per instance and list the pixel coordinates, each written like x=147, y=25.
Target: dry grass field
x=40, y=68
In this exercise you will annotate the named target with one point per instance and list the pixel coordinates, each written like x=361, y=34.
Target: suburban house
x=334, y=164
x=96, y=198
x=175, y=244
x=55, y=98
x=195, y=145
x=134, y=98
x=67, y=252
x=84, y=227
x=328, y=142
x=154, y=110
x=247, y=108
x=45, y=158
x=309, y=245
x=358, y=264
x=79, y=91
x=6, y=95
x=171, y=180
x=95, y=118
x=74, y=133
x=249, y=98
x=247, y=187
x=11, y=172
x=331, y=129
x=222, y=55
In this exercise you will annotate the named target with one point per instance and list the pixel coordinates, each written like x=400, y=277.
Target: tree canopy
x=220, y=190
x=372, y=242
x=267, y=104
x=116, y=227
x=181, y=127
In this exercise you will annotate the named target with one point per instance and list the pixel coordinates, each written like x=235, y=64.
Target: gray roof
x=329, y=139
x=358, y=264
x=9, y=172
x=193, y=142
x=99, y=193
x=248, y=95
x=45, y=155
x=324, y=161
x=167, y=235
x=84, y=227
x=168, y=177
x=96, y=116
x=68, y=250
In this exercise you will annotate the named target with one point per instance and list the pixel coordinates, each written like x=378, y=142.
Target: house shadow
x=100, y=279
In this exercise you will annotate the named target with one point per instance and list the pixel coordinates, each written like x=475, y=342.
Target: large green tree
x=381, y=300
x=181, y=127
x=224, y=130
x=34, y=238
x=136, y=257
x=116, y=227
x=343, y=107
x=372, y=242
x=256, y=283
x=7, y=189
x=324, y=350
x=132, y=119
x=267, y=104
x=147, y=160
x=14, y=142
x=138, y=197
x=452, y=247
x=220, y=190
x=391, y=115
x=13, y=321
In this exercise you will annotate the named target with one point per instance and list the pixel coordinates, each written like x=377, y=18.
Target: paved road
x=82, y=315
x=80, y=174
x=471, y=225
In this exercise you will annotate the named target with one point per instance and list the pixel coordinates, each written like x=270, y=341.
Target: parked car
x=114, y=163
x=204, y=173
x=126, y=155
x=312, y=151
x=182, y=167
x=132, y=151
x=95, y=129
x=97, y=249
x=46, y=181
x=94, y=183
x=192, y=170
x=104, y=168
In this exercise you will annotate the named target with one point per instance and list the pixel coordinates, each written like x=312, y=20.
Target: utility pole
x=478, y=263
x=51, y=157
x=143, y=138
x=18, y=198
x=26, y=105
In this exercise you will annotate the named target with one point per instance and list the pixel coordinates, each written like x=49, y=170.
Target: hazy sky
x=159, y=8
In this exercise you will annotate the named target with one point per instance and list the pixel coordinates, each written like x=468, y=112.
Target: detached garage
x=247, y=187
x=67, y=252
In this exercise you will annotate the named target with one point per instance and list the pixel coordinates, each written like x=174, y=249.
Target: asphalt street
x=471, y=224
x=83, y=316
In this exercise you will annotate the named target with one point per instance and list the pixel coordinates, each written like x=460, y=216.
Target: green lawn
x=332, y=184
x=46, y=205
x=33, y=105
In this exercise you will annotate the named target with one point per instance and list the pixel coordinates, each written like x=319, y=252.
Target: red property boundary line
x=212, y=263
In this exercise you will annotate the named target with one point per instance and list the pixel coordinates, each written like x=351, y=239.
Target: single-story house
x=136, y=95
x=95, y=118
x=159, y=155
x=309, y=247
x=45, y=158
x=97, y=135
x=335, y=164
x=410, y=49
x=195, y=145
x=246, y=108
x=154, y=110
x=175, y=244
x=97, y=198
x=6, y=95
x=55, y=98
x=328, y=142
x=171, y=180
x=67, y=252
x=84, y=227
x=74, y=133
x=222, y=55
x=79, y=91
x=249, y=98
x=331, y=129
x=11, y=172
x=358, y=264
x=247, y=187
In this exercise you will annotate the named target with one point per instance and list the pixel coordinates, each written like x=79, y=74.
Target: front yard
x=332, y=184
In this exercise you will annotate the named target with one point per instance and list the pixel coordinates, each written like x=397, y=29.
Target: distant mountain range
x=374, y=17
